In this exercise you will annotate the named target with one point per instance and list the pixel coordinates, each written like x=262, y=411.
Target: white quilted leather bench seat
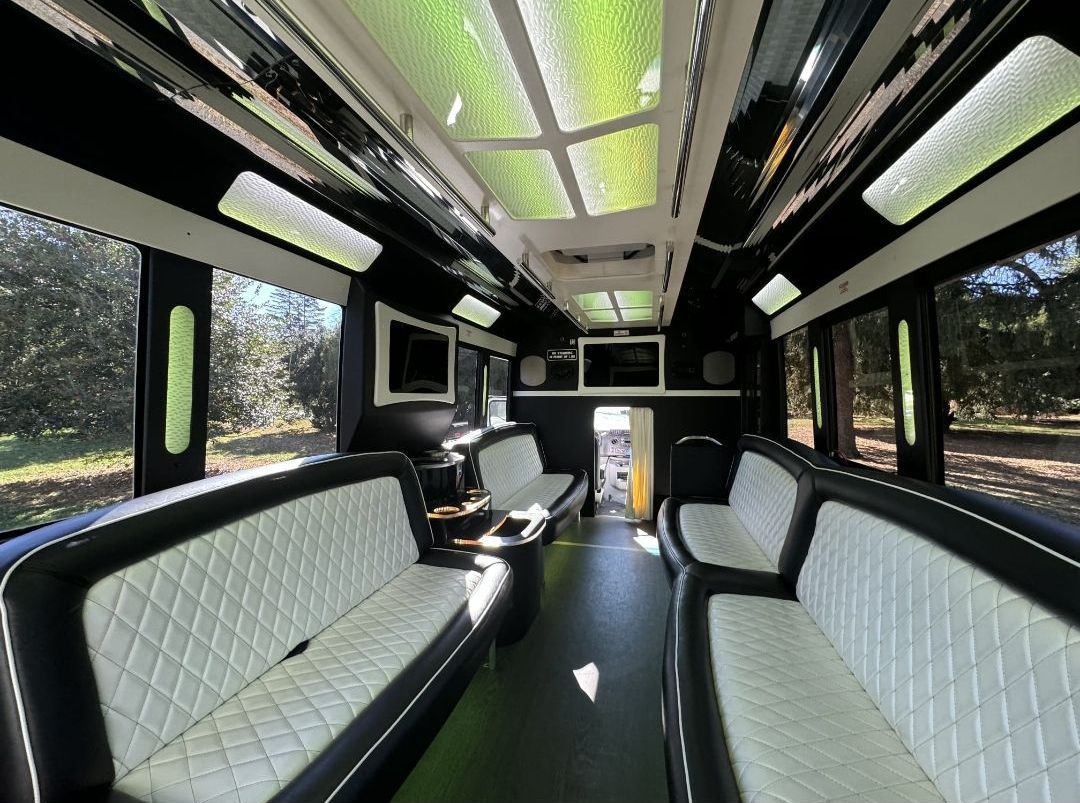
x=285, y=633
x=929, y=650
x=509, y=462
x=749, y=529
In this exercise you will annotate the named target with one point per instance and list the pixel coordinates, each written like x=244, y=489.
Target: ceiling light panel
x=636, y=314
x=591, y=301
x=633, y=298
x=1037, y=84
x=267, y=207
x=776, y=295
x=526, y=183
x=453, y=54
x=602, y=315
x=617, y=172
x=476, y=311
x=600, y=59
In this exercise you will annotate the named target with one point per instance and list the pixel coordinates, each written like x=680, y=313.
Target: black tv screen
x=622, y=365
x=419, y=359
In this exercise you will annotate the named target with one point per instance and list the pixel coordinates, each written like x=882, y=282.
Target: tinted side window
x=498, y=390
x=865, y=428
x=800, y=423
x=1010, y=375
x=273, y=374
x=68, y=321
x=465, y=415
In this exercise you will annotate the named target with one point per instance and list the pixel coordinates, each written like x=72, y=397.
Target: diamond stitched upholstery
x=980, y=683
x=713, y=534
x=763, y=497
x=543, y=491
x=256, y=742
x=507, y=466
x=173, y=636
x=799, y=726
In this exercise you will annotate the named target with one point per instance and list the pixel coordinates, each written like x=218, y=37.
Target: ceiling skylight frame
x=525, y=182
x=1033, y=87
x=263, y=205
x=617, y=172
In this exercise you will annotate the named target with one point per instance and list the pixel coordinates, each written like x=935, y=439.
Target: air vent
x=604, y=253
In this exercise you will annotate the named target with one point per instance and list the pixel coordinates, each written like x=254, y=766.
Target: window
x=865, y=428
x=273, y=374
x=800, y=424
x=465, y=413
x=68, y=321
x=1010, y=376
x=498, y=391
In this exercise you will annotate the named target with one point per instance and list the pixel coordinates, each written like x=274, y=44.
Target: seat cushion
x=712, y=533
x=798, y=725
x=543, y=490
x=507, y=466
x=252, y=745
x=763, y=497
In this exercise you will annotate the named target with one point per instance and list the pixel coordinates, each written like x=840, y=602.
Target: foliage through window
x=800, y=423
x=68, y=321
x=498, y=391
x=465, y=414
x=865, y=427
x=1009, y=338
x=273, y=374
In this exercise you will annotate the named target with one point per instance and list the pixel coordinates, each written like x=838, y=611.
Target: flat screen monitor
x=622, y=363
x=414, y=358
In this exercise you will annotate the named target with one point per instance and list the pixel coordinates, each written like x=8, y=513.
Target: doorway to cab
x=611, y=459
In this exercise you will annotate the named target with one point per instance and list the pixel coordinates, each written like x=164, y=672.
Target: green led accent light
x=526, y=183
x=817, y=390
x=589, y=301
x=907, y=396
x=476, y=311
x=453, y=54
x=776, y=295
x=636, y=314
x=617, y=172
x=267, y=207
x=600, y=59
x=1033, y=87
x=178, y=389
x=602, y=315
x=633, y=298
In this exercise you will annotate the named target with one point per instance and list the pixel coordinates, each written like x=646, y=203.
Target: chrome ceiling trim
x=695, y=73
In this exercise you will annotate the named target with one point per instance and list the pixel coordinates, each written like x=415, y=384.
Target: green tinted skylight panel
x=602, y=315
x=776, y=295
x=1037, y=84
x=600, y=59
x=633, y=298
x=617, y=172
x=526, y=183
x=269, y=208
x=453, y=54
x=588, y=301
x=636, y=314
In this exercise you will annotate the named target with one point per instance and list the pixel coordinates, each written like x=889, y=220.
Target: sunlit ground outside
x=59, y=475
x=1034, y=463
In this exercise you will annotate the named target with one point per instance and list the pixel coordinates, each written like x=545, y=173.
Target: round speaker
x=718, y=368
x=533, y=370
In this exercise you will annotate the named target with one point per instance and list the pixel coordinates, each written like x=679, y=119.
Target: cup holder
x=446, y=510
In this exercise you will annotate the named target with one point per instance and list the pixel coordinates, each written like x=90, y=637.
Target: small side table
x=516, y=538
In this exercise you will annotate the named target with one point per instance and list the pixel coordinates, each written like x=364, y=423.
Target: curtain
x=639, y=486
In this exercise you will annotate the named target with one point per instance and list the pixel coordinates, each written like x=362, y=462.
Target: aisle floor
x=572, y=711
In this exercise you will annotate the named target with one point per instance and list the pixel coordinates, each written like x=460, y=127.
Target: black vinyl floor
x=572, y=711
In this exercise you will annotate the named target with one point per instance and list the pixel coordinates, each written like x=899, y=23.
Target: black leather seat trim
x=672, y=548
x=564, y=511
x=54, y=731
x=698, y=765
x=376, y=752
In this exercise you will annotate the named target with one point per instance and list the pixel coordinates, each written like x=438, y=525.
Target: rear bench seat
x=766, y=502
x=929, y=651
x=285, y=632
x=509, y=462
